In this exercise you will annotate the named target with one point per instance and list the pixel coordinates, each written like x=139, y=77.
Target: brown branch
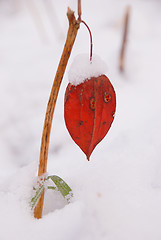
x=124, y=40
x=71, y=35
x=79, y=10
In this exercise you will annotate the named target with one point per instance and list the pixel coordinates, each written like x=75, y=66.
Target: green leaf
x=35, y=199
x=51, y=187
x=62, y=186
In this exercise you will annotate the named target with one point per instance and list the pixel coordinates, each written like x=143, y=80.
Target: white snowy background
x=117, y=195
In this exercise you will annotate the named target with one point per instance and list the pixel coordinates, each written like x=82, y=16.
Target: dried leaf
x=89, y=111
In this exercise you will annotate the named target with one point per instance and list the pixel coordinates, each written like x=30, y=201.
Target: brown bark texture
x=71, y=35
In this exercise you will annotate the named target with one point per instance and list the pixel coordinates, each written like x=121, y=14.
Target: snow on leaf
x=89, y=111
x=62, y=186
x=36, y=197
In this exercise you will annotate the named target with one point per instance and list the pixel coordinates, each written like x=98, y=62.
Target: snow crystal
x=82, y=69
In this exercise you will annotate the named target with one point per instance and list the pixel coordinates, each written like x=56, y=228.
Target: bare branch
x=124, y=40
x=79, y=10
x=71, y=35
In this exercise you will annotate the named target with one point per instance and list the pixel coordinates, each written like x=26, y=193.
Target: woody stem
x=71, y=35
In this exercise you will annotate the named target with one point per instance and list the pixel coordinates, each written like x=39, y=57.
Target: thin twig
x=81, y=21
x=124, y=40
x=51, y=13
x=71, y=35
x=79, y=10
x=36, y=16
x=91, y=42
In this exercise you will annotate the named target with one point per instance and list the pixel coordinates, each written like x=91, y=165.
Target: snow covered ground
x=117, y=195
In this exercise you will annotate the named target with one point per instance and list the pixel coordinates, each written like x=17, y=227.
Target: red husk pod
x=89, y=110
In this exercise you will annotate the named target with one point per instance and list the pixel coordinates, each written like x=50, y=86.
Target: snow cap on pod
x=82, y=69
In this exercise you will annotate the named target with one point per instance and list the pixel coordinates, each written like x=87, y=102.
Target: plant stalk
x=91, y=42
x=124, y=40
x=71, y=35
